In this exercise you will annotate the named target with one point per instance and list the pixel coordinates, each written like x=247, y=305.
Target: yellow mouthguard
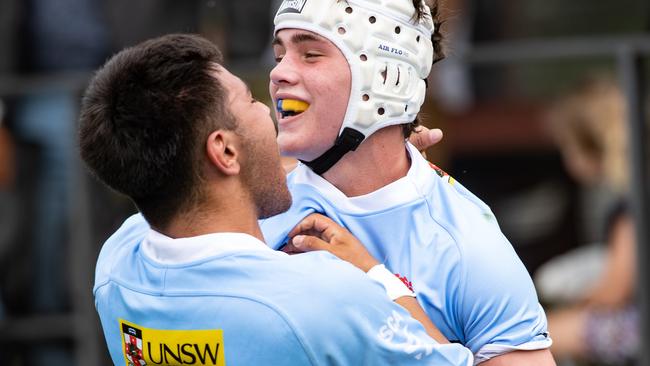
x=292, y=105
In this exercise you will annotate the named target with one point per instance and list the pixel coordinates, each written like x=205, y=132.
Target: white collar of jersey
x=166, y=250
x=404, y=190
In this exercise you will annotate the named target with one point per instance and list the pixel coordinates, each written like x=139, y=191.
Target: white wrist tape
x=394, y=287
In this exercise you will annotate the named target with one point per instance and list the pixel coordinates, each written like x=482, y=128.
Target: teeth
x=291, y=107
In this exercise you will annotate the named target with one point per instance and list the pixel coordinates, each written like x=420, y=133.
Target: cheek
x=333, y=112
x=336, y=92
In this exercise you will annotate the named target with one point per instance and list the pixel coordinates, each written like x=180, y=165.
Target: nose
x=284, y=72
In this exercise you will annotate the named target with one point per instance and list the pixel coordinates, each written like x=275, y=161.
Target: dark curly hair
x=436, y=39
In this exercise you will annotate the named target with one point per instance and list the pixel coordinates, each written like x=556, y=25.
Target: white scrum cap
x=388, y=51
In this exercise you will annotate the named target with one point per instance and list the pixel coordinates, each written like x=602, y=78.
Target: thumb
x=423, y=138
x=434, y=136
x=308, y=243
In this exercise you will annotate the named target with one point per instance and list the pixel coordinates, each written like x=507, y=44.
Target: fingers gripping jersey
x=429, y=228
x=228, y=299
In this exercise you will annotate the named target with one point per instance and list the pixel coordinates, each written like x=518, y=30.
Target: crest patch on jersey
x=132, y=339
x=146, y=346
x=442, y=174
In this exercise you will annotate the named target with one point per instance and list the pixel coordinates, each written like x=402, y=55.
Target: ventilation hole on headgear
x=398, y=30
x=417, y=39
x=341, y=30
x=398, y=76
x=348, y=10
x=372, y=20
x=365, y=97
x=363, y=57
x=381, y=111
x=406, y=108
x=384, y=74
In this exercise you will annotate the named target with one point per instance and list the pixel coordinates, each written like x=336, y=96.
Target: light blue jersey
x=228, y=299
x=445, y=241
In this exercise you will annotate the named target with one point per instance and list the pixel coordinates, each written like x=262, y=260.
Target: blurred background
x=534, y=99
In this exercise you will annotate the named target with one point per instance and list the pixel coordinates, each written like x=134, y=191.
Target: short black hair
x=144, y=117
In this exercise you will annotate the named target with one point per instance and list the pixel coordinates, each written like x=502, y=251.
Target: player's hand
x=422, y=138
x=317, y=232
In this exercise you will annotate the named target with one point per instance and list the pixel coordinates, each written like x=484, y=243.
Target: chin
x=298, y=151
x=281, y=202
x=295, y=153
x=305, y=147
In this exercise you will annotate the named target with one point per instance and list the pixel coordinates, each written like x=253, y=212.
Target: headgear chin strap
x=389, y=54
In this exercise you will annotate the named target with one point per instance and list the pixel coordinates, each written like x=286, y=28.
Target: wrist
x=368, y=265
x=394, y=287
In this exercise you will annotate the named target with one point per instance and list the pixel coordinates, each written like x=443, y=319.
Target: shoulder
x=317, y=299
x=497, y=300
x=131, y=233
x=469, y=225
x=319, y=283
x=336, y=279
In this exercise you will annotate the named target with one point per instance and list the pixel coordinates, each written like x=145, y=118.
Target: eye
x=253, y=100
x=312, y=55
x=278, y=59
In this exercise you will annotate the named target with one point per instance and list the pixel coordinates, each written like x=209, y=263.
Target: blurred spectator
x=52, y=45
x=6, y=153
x=58, y=37
x=596, y=319
x=7, y=173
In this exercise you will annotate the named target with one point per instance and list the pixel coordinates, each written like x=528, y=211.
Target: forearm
x=413, y=307
x=542, y=357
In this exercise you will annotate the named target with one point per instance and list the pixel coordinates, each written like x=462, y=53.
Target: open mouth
x=291, y=107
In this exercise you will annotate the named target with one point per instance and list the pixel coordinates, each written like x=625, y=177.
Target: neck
x=215, y=215
x=380, y=160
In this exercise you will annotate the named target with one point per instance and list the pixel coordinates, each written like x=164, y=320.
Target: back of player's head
x=143, y=117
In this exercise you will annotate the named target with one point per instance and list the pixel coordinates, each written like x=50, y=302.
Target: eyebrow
x=298, y=38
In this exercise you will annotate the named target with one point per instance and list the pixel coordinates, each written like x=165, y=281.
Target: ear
x=223, y=152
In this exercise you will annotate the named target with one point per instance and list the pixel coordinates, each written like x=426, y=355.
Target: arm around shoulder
x=359, y=325
x=542, y=357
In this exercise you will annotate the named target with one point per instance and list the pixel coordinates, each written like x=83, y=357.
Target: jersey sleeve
x=355, y=323
x=499, y=305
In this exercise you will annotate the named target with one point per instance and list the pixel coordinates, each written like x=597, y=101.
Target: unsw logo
x=145, y=346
